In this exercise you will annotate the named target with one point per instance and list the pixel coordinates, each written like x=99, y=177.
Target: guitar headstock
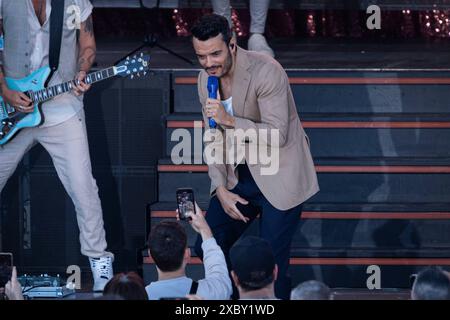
x=134, y=66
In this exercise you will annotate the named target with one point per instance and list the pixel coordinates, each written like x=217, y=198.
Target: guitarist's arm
x=88, y=50
x=14, y=98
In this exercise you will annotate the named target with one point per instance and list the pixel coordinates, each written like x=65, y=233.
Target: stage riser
x=357, y=99
x=354, y=276
x=366, y=234
x=393, y=236
x=335, y=98
x=405, y=211
x=336, y=187
x=376, y=143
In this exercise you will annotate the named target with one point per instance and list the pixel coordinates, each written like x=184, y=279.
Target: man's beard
x=226, y=67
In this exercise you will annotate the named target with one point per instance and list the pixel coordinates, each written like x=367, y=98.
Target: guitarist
x=26, y=28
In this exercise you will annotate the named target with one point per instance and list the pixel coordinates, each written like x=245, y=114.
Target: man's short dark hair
x=311, y=290
x=431, y=284
x=210, y=26
x=253, y=262
x=167, y=243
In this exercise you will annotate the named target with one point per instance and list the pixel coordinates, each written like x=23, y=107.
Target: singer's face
x=214, y=56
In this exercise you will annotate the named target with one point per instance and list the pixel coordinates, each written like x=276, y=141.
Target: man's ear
x=235, y=279
x=232, y=45
x=275, y=273
x=187, y=254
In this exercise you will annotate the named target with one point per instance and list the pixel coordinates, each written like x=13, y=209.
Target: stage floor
x=304, y=54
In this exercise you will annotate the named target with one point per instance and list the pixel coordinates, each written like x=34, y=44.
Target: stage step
x=341, y=181
x=334, y=92
x=334, y=136
x=336, y=243
x=351, y=271
x=339, y=210
x=362, y=228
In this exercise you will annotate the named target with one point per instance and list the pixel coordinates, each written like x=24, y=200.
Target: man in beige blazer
x=254, y=97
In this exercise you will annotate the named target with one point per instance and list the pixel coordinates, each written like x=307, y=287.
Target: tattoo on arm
x=81, y=63
x=87, y=44
x=86, y=58
x=89, y=26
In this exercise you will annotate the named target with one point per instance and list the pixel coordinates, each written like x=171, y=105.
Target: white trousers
x=67, y=145
x=258, y=13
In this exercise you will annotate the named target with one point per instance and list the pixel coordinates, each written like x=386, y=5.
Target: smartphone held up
x=185, y=202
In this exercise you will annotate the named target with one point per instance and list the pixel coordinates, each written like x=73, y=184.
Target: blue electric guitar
x=12, y=121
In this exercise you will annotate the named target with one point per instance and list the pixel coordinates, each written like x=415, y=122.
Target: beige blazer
x=262, y=99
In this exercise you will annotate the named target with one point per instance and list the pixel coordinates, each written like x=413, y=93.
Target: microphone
x=213, y=86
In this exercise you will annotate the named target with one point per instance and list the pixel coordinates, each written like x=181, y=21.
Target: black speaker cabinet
x=126, y=137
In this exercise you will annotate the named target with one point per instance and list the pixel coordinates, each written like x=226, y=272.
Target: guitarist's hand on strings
x=17, y=99
x=82, y=87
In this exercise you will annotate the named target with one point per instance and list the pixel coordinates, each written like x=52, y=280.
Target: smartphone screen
x=185, y=202
x=6, y=264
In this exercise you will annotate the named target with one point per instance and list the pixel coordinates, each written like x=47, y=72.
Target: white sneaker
x=102, y=271
x=257, y=42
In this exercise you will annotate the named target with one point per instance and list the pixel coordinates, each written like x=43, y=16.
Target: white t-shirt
x=228, y=105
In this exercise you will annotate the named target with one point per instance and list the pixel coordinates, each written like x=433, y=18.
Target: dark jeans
x=276, y=226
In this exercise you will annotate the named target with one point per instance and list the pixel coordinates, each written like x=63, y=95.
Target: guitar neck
x=56, y=90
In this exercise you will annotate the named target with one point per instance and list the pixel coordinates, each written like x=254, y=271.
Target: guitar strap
x=194, y=287
x=56, y=28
